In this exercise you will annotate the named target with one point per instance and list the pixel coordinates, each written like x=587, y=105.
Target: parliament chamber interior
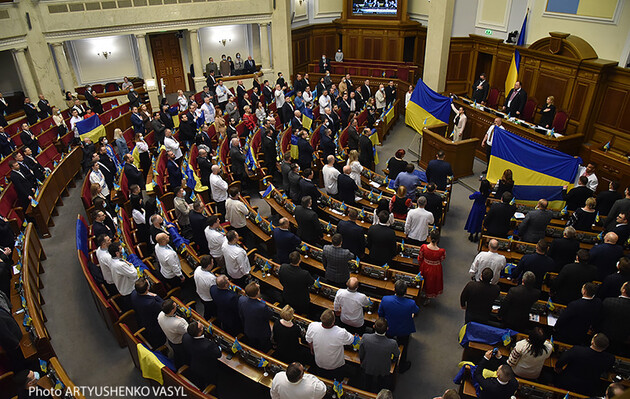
x=292, y=199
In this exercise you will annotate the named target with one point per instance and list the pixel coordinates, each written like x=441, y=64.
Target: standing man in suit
x=198, y=224
x=345, y=110
x=327, y=145
x=255, y=316
x=203, y=354
x=438, y=171
x=305, y=150
x=478, y=297
x=566, y=286
x=294, y=182
x=249, y=66
x=132, y=173
x=481, y=89
x=390, y=92
x=579, y=316
x=353, y=135
x=270, y=150
x=309, y=229
x=174, y=172
x=285, y=241
x=324, y=64
x=296, y=118
x=434, y=203
x=353, y=236
x=605, y=256
x=24, y=188
x=503, y=386
x=366, y=92
x=307, y=187
x=44, y=107
x=335, y=260
x=538, y=263
x=211, y=67
x=136, y=121
x=620, y=206
x=532, y=228
x=3, y=109
x=205, y=166
x=7, y=145
x=346, y=186
x=366, y=150
x=576, y=198
x=147, y=306
x=30, y=111
x=227, y=306
x=622, y=229
x=33, y=164
x=237, y=159
x=133, y=97
x=381, y=241
x=606, y=199
x=497, y=220
x=515, y=100
x=287, y=110
x=514, y=311
x=28, y=139
x=295, y=283
x=614, y=311
x=376, y=353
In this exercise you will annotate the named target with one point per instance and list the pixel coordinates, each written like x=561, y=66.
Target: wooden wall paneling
x=393, y=47
x=578, y=99
x=610, y=111
x=352, y=49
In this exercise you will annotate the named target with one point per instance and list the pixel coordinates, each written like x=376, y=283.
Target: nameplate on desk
x=336, y=212
x=551, y=320
x=519, y=215
x=374, y=184
x=534, y=317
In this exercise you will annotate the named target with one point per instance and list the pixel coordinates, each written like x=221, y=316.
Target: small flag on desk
x=597, y=218
x=338, y=388
x=550, y=305
x=356, y=342
x=418, y=278
x=43, y=366
x=402, y=246
x=236, y=346
x=506, y=338
x=512, y=201
x=564, y=211
x=607, y=146
x=209, y=329
x=268, y=191
x=262, y=363
x=566, y=396
x=317, y=284
x=34, y=202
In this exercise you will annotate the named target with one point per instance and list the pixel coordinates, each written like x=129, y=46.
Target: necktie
x=513, y=95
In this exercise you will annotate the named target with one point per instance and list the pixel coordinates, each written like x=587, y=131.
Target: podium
x=460, y=155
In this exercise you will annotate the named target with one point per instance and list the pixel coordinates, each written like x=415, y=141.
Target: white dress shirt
x=222, y=93
x=351, y=304
x=73, y=124
x=104, y=262
x=172, y=145
x=215, y=239
x=407, y=98
x=355, y=171
x=308, y=387
x=279, y=95
x=218, y=188
x=97, y=177
x=139, y=217
x=124, y=275
x=208, y=112
x=485, y=259
x=307, y=97
x=324, y=101
x=490, y=134
x=203, y=281
x=328, y=344
x=183, y=103
x=169, y=261
x=236, y=213
x=417, y=223
x=236, y=261
x=174, y=327
x=330, y=179
x=592, y=181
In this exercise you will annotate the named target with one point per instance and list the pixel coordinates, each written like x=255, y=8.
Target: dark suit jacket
x=620, y=206
x=376, y=353
x=295, y=287
x=478, y=298
x=10, y=333
x=497, y=220
x=366, y=92
x=203, y=354
x=285, y=168
x=308, y=229
x=238, y=161
x=147, y=308
x=327, y=145
x=353, y=138
x=159, y=127
x=138, y=123
x=434, y=205
x=30, y=142
x=255, y=316
x=44, y=109
x=563, y=251
x=227, y=309
x=287, y=112
x=517, y=104
x=438, y=172
x=271, y=154
x=516, y=306
x=305, y=153
x=568, y=285
x=381, y=241
x=584, y=366
x=536, y=263
x=324, y=65
x=31, y=113
x=605, y=201
x=605, y=257
x=533, y=227
x=99, y=228
x=6, y=144
x=307, y=187
x=174, y=174
x=167, y=120
x=38, y=170
x=611, y=285
x=576, y=198
x=480, y=95
x=23, y=187
x=622, y=231
x=575, y=321
x=205, y=170
x=294, y=186
x=286, y=242
x=198, y=225
x=134, y=176
x=614, y=312
x=491, y=387
x=366, y=152
x=187, y=130
x=346, y=187
x=28, y=173
x=134, y=99
x=353, y=237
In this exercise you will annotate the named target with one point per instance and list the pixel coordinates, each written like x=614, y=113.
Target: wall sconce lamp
x=223, y=41
x=104, y=54
x=302, y=1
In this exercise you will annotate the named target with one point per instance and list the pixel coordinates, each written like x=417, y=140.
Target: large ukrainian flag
x=426, y=107
x=512, y=75
x=91, y=128
x=539, y=171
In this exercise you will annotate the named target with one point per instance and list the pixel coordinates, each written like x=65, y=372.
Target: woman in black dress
x=584, y=218
x=286, y=337
x=506, y=183
x=396, y=164
x=548, y=112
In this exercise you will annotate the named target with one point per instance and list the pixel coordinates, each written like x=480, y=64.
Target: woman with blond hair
x=286, y=336
x=584, y=218
x=120, y=144
x=355, y=167
x=548, y=112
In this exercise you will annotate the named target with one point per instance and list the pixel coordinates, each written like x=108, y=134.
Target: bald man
x=349, y=304
x=532, y=228
x=330, y=174
x=286, y=242
x=170, y=268
x=605, y=256
x=218, y=189
x=346, y=187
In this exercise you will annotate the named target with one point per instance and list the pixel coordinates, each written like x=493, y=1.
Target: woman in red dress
x=430, y=261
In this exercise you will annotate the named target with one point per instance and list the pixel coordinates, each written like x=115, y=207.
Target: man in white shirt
x=589, y=172
x=236, y=212
x=488, y=259
x=73, y=121
x=97, y=177
x=278, y=94
x=330, y=176
x=105, y=259
x=222, y=94
x=218, y=189
x=170, y=268
x=294, y=384
x=324, y=101
x=327, y=341
x=215, y=236
x=349, y=307
x=182, y=101
x=208, y=110
x=124, y=275
x=236, y=261
x=174, y=327
x=418, y=222
x=204, y=279
x=487, y=140
x=171, y=144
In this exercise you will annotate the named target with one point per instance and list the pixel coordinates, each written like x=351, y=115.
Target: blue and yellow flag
x=512, y=75
x=317, y=284
x=426, y=107
x=338, y=388
x=539, y=171
x=236, y=346
x=295, y=153
x=91, y=128
x=307, y=118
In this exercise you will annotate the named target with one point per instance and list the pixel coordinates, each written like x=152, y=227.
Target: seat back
x=529, y=110
x=493, y=97
x=560, y=122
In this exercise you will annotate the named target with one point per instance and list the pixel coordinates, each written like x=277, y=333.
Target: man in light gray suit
x=532, y=228
x=377, y=353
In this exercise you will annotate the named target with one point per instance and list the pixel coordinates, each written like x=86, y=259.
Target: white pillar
x=264, y=46
x=145, y=68
x=199, y=79
x=281, y=49
x=30, y=89
x=438, y=43
x=64, y=68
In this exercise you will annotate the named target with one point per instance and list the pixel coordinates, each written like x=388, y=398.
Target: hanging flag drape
x=512, y=75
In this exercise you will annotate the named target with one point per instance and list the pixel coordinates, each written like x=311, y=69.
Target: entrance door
x=167, y=58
